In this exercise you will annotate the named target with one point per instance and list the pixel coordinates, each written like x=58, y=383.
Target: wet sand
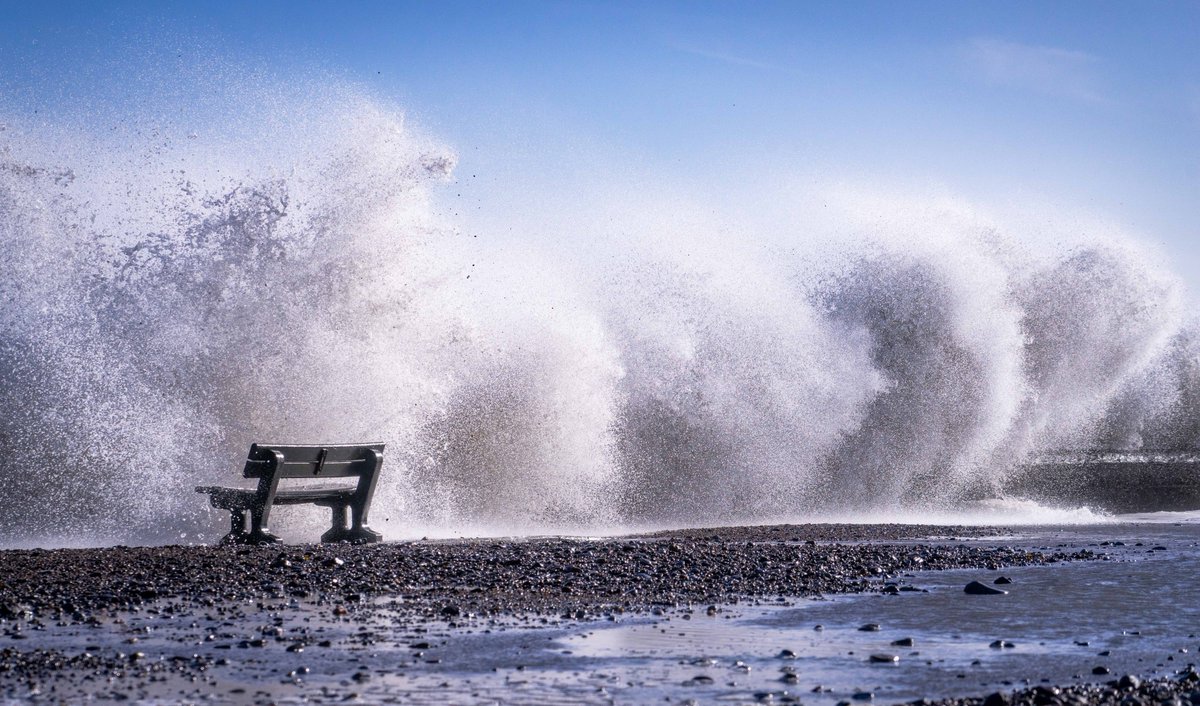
x=308, y=622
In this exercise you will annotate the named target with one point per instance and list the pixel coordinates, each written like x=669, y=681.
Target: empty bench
x=271, y=463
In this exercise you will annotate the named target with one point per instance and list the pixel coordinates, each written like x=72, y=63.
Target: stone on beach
x=1129, y=681
x=979, y=589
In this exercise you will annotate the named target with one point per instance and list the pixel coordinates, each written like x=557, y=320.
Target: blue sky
x=1091, y=105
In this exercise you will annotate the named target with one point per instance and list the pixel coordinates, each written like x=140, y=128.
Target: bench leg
x=359, y=533
x=259, y=534
x=337, y=532
x=237, y=528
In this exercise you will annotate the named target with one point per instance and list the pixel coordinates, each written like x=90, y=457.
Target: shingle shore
x=449, y=581
x=490, y=576
x=1180, y=689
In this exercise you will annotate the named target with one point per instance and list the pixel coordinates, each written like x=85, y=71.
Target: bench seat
x=243, y=498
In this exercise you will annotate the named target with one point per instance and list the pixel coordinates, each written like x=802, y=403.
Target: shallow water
x=1142, y=607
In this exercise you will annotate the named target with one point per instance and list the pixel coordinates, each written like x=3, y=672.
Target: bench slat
x=243, y=498
x=312, y=461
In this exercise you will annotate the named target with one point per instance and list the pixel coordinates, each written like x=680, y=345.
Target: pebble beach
x=331, y=623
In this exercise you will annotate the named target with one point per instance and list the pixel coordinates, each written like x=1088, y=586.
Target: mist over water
x=287, y=269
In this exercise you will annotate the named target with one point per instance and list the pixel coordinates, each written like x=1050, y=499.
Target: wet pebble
x=980, y=589
x=1129, y=681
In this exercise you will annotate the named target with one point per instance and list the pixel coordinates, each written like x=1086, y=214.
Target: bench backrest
x=315, y=461
x=271, y=462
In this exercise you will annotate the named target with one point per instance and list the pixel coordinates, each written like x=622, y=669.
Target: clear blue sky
x=1092, y=104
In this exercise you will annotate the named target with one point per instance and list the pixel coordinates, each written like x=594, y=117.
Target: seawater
x=286, y=264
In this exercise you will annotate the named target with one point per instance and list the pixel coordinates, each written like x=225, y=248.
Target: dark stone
x=1129, y=681
x=15, y=612
x=1100, y=670
x=1002, y=581
x=870, y=627
x=978, y=589
x=904, y=642
x=884, y=658
x=996, y=699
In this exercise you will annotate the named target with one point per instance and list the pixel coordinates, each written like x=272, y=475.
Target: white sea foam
x=283, y=267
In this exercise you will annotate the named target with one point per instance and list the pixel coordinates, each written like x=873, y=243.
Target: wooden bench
x=270, y=463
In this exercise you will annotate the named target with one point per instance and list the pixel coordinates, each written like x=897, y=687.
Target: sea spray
x=732, y=394
x=1158, y=408
x=174, y=290
x=177, y=310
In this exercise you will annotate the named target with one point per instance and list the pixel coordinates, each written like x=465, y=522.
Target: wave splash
x=171, y=295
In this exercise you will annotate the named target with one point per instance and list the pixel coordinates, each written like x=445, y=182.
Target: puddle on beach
x=1138, y=612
